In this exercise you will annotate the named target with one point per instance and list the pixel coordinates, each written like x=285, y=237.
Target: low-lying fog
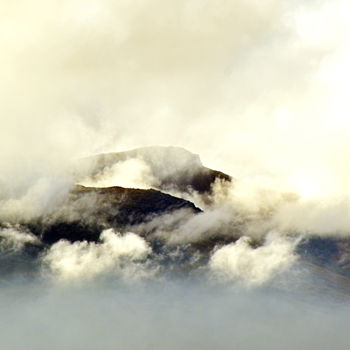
x=115, y=295
x=167, y=314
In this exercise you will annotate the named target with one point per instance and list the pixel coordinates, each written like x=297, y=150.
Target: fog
x=257, y=89
x=119, y=293
x=172, y=314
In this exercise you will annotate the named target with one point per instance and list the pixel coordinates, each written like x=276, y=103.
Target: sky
x=257, y=88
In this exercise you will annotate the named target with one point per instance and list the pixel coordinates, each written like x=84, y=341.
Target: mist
x=258, y=90
x=171, y=314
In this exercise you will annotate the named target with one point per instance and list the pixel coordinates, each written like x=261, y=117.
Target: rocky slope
x=87, y=211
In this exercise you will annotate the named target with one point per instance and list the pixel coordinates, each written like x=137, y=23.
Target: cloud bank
x=258, y=89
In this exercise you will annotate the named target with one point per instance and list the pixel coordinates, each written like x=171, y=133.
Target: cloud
x=324, y=216
x=132, y=173
x=122, y=255
x=251, y=266
x=256, y=89
x=170, y=315
x=14, y=239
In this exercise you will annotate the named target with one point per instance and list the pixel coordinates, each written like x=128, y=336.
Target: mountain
x=170, y=168
x=87, y=211
x=332, y=253
x=160, y=217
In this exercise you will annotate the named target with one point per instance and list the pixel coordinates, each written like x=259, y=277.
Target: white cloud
x=122, y=255
x=13, y=239
x=251, y=266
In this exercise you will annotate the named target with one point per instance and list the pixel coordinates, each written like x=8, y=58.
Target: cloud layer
x=258, y=89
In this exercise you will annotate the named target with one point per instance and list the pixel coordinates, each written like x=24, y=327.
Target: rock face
x=87, y=211
x=170, y=168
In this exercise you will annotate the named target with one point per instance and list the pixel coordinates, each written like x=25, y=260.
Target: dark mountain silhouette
x=87, y=211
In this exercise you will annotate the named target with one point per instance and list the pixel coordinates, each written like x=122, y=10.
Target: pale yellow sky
x=257, y=88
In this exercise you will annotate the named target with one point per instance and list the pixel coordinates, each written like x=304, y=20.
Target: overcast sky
x=257, y=88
